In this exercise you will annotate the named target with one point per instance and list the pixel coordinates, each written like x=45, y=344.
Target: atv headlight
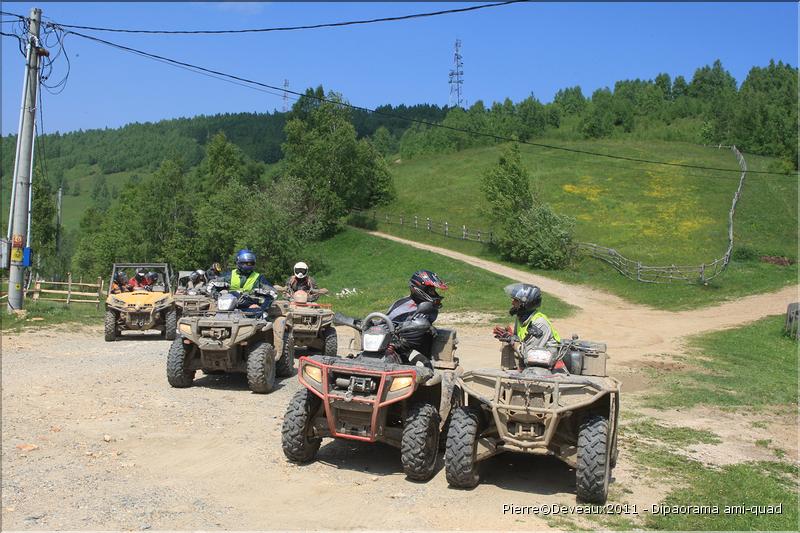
x=185, y=328
x=117, y=301
x=313, y=372
x=162, y=301
x=401, y=383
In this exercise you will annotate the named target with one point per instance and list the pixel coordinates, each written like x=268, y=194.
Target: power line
x=288, y=28
x=279, y=90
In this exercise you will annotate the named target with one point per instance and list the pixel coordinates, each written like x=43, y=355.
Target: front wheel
x=285, y=364
x=331, y=341
x=299, y=444
x=170, y=324
x=593, y=469
x=178, y=373
x=261, y=367
x=460, y=459
x=111, y=326
x=419, y=444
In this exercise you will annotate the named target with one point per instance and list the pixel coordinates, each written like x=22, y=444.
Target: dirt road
x=117, y=448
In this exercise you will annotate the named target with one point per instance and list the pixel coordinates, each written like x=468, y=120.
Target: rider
x=245, y=279
x=120, y=283
x=300, y=280
x=531, y=326
x=139, y=280
x=213, y=271
x=197, y=279
x=152, y=278
x=403, y=312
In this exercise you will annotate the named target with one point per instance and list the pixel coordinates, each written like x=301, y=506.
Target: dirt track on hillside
x=632, y=331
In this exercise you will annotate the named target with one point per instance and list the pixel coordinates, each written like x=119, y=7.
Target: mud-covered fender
x=452, y=394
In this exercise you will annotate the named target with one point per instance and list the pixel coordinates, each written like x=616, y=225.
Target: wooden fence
x=454, y=231
x=68, y=291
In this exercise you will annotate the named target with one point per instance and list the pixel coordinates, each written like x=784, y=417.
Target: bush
x=744, y=253
x=362, y=220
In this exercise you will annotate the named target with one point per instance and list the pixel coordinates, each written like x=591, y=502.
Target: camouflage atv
x=143, y=308
x=375, y=396
x=229, y=339
x=191, y=301
x=571, y=414
x=306, y=323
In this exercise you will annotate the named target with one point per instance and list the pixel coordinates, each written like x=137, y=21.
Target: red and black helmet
x=423, y=284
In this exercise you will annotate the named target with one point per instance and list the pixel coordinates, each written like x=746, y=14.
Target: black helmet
x=245, y=261
x=423, y=286
x=140, y=275
x=121, y=277
x=216, y=269
x=152, y=276
x=526, y=298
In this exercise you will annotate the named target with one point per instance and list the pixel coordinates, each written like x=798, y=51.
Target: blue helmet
x=245, y=261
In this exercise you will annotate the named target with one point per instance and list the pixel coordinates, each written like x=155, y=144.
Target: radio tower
x=285, y=96
x=456, y=78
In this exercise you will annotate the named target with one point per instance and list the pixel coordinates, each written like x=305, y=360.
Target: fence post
x=428, y=219
x=479, y=236
x=69, y=286
x=375, y=216
x=401, y=220
x=100, y=283
x=464, y=232
x=491, y=237
x=387, y=218
x=446, y=230
x=638, y=271
x=416, y=220
x=37, y=288
x=703, y=272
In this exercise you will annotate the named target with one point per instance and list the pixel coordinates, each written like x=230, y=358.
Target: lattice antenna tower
x=457, y=78
x=285, y=95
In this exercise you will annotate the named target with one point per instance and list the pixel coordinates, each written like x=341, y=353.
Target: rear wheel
x=331, y=341
x=419, y=445
x=111, y=331
x=460, y=460
x=593, y=469
x=170, y=324
x=178, y=373
x=261, y=367
x=299, y=444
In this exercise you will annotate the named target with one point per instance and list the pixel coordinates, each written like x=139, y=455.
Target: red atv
x=376, y=395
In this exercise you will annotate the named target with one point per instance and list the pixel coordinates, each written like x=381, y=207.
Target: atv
x=306, y=323
x=375, y=395
x=558, y=402
x=141, y=309
x=233, y=338
x=192, y=301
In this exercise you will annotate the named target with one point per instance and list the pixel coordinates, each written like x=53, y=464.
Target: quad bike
x=558, y=402
x=192, y=301
x=375, y=395
x=141, y=309
x=306, y=323
x=234, y=338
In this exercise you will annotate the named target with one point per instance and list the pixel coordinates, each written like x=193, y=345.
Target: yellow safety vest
x=522, y=330
x=249, y=283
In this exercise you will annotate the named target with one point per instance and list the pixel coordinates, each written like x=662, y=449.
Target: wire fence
x=629, y=268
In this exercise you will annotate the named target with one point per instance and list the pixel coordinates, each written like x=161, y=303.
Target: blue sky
x=510, y=51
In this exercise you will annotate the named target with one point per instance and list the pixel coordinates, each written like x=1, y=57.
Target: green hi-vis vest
x=249, y=283
x=522, y=330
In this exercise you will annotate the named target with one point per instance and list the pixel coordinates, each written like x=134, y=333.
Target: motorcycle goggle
x=247, y=263
x=301, y=271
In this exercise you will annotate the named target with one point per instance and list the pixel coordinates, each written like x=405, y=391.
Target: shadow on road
x=528, y=473
x=231, y=382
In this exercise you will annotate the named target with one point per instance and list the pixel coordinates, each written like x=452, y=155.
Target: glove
x=502, y=333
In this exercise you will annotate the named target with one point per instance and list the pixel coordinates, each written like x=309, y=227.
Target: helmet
x=152, y=276
x=300, y=270
x=245, y=261
x=140, y=275
x=121, y=277
x=526, y=298
x=215, y=269
x=423, y=286
x=196, y=276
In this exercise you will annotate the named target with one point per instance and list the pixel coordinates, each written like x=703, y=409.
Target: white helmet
x=300, y=270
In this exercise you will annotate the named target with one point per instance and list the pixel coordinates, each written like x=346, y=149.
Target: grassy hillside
x=659, y=215
x=379, y=270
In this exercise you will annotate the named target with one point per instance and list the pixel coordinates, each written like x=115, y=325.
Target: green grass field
x=658, y=215
x=43, y=314
x=379, y=269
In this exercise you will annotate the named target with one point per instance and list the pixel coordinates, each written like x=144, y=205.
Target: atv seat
x=443, y=348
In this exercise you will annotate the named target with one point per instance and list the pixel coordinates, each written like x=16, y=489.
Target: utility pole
x=19, y=217
x=456, y=78
x=285, y=95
